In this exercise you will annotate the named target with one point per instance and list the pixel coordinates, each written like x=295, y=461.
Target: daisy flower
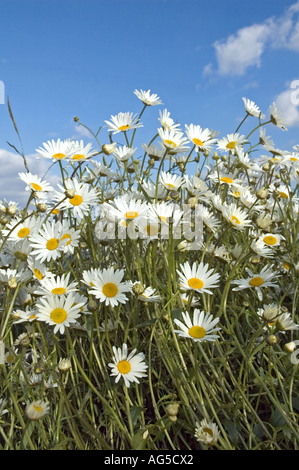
x=149, y=295
x=35, y=183
x=90, y=276
x=252, y=108
x=198, y=278
x=200, y=328
x=47, y=243
x=109, y=288
x=166, y=121
x=201, y=138
x=83, y=198
x=170, y=182
x=284, y=322
x=173, y=140
x=269, y=314
x=123, y=122
x=123, y=154
x=271, y=239
x=257, y=281
x=55, y=151
x=276, y=118
x=37, y=409
x=59, y=311
x=18, y=229
x=125, y=209
x=129, y=366
x=206, y=432
x=39, y=270
x=236, y=216
x=57, y=285
x=27, y=315
x=147, y=98
x=154, y=151
x=79, y=152
x=70, y=236
x=232, y=142
x=226, y=178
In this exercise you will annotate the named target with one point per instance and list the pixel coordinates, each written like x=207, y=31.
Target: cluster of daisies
x=247, y=207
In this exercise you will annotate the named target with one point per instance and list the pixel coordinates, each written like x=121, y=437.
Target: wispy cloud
x=245, y=48
x=288, y=107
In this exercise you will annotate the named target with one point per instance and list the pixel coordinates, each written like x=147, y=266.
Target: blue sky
x=64, y=58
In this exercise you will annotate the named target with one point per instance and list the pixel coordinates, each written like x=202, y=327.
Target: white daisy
x=147, y=98
x=271, y=239
x=197, y=277
x=232, y=142
x=124, y=153
x=154, y=151
x=83, y=198
x=206, y=432
x=18, y=229
x=257, y=281
x=149, y=295
x=59, y=311
x=47, y=243
x=57, y=285
x=35, y=183
x=166, y=121
x=276, y=117
x=78, y=151
x=123, y=122
x=173, y=140
x=55, y=151
x=131, y=367
x=170, y=181
x=252, y=108
x=200, y=328
x=37, y=409
x=236, y=216
x=125, y=209
x=109, y=288
x=201, y=138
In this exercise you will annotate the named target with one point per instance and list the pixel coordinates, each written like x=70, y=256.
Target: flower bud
x=172, y=411
x=108, y=149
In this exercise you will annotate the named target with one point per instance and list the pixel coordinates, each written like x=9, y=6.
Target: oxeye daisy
x=197, y=277
x=125, y=209
x=271, y=239
x=39, y=270
x=229, y=179
x=123, y=122
x=129, y=366
x=70, y=236
x=55, y=151
x=109, y=288
x=257, y=281
x=35, y=183
x=173, y=140
x=82, y=199
x=22, y=316
x=231, y=143
x=149, y=295
x=206, y=432
x=59, y=311
x=276, y=118
x=166, y=121
x=236, y=216
x=47, y=243
x=201, y=138
x=252, y=109
x=285, y=322
x=37, y=409
x=170, y=181
x=78, y=151
x=154, y=151
x=18, y=229
x=269, y=314
x=200, y=328
x=124, y=153
x=57, y=285
x=147, y=98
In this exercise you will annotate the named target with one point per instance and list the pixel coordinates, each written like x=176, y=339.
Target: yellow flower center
x=235, y=219
x=76, y=200
x=58, y=290
x=197, y=142
x=32, y=317
x=231, y=145
x=195, y=283
x=197, y=332
x=293, y=159
x=125, y=127
x=152, y=230
x=256, y=281
x=226, y=179
x=208, y=431
x=23, y=232
x=131, y=215
x=37, y=408
x=36, y=187
x=283, y=195
x=55, y=211
x=170, y=143
x=270, y=240
x=237, y=194
x=170, y=185
x=52, y=244
x=124, y=367
x=78, y=157
x=66, y=235
x=110, y=289
x=58, y=315
x=286, y=266
x=59, y=156
x=38, y=274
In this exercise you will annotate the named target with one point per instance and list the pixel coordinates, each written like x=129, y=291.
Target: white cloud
x=82, y=131
x=287, y=107
x=245, y=48
x=11, y=164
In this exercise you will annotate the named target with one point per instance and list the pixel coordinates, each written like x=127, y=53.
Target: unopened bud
x=70, y=193
x=271, y=340
x=41, y=207
x=12, y=283
x=76, y=119
x=64, y=365
x=172, y=411
x=290, y=347
x=108, y=149
x=262, y=193
x=138, y=288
